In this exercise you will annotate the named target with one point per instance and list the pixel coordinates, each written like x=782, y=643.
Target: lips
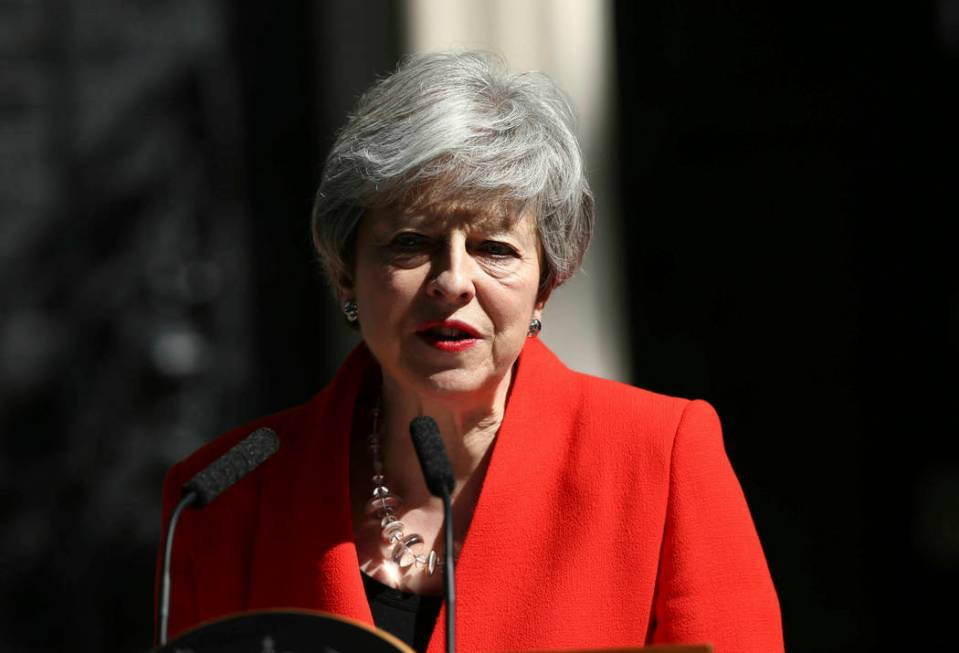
x=448, y=335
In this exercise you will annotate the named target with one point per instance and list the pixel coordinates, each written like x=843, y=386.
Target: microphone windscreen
x=240, y=460
x=431, y=451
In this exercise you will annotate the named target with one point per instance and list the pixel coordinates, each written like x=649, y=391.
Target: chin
x=446, y=384
x=449, y=383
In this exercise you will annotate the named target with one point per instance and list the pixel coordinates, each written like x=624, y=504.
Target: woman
x=588, y=513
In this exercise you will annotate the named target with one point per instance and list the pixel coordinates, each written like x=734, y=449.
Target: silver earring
x=351, y=311
x=535, y=326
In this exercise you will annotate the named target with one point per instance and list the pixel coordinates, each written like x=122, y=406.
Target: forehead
x=447, y=213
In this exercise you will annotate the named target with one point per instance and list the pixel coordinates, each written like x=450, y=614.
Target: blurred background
x=776, y=185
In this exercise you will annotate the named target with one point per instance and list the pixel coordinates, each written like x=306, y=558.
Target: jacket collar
x=304, y=553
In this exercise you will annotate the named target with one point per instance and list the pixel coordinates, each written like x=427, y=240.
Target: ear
x=343, y=287
x=539, y=306
x=541, y=303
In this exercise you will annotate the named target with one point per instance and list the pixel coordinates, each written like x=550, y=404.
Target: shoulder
x=546, y=371
x=544, y=367
x=645, y=422
x=631, y=415
x=606, y=394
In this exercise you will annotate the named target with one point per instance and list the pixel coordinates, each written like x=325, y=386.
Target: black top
x=410, y=617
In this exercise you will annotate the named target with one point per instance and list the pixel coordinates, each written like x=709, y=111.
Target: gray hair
x=464, y=123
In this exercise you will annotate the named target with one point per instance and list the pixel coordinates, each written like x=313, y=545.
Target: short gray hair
x=463, y=122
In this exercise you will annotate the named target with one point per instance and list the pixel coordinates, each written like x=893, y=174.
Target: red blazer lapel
x=304, y=554
x=499, y=566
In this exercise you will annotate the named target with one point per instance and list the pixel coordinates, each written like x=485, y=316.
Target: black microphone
x=217, y=477
x=437, y=470
x=438, y=473
x=240, y=460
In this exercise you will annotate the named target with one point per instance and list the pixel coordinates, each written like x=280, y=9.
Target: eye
x=496, y=249
x=408, y=241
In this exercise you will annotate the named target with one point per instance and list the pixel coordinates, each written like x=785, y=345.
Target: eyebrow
x=496, y=220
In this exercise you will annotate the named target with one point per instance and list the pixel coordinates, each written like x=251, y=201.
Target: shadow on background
x=787, y=176
x=793, y=173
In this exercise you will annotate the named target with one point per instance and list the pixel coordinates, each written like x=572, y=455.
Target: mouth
x=448, y=335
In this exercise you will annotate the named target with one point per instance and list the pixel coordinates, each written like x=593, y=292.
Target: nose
x=452, y=274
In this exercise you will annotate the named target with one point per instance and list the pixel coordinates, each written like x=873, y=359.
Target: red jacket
x=609, y=517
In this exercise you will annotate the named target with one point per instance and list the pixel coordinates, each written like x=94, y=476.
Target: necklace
x=407, y=549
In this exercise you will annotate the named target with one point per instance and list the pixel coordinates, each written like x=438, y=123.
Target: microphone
x=438, y=474
x=242, y=458
x=431, y=452
x=217, y=477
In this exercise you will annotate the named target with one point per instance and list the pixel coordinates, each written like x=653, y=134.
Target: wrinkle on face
x=451, y=219
x=407, y=253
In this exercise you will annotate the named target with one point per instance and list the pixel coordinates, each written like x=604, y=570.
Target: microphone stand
x=164, y=606
x=214, y=479
x=448, y=573
x=438, y=474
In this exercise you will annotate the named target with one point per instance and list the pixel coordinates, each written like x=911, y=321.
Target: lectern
x=310, y=631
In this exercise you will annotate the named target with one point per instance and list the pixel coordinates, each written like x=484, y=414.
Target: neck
x=468, y=425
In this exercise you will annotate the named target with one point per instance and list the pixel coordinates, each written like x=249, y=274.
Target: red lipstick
x=448, y=335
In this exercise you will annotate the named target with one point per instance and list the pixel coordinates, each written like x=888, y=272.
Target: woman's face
x=446, y=294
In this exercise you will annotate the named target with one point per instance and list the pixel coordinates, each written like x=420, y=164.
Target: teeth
x=450, y=333
x=446, y=333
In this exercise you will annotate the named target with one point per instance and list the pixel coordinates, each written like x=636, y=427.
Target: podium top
x=302, y=631
x=286, y=631
x=671, y=648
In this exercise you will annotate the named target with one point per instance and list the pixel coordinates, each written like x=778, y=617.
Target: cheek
x=386, y=292
x=511, y=306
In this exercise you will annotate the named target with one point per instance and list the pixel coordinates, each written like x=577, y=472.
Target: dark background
x=788, y=173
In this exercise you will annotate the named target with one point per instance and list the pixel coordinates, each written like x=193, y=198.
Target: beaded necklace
x=382, y=506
